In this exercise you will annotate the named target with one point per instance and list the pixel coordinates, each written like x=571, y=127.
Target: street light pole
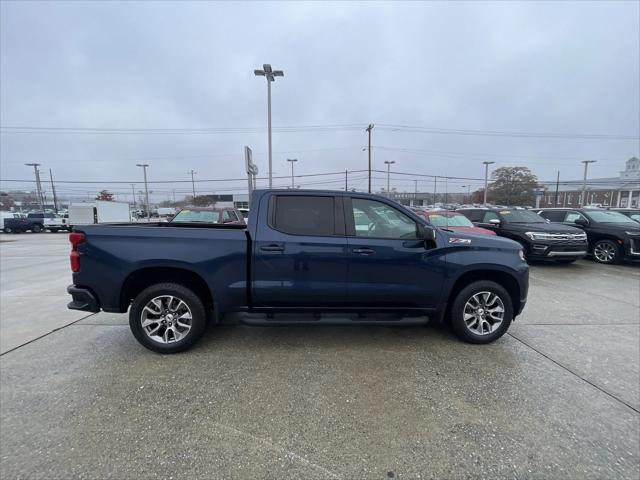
x=389, y=163
x=133, y=193
x=292, y=161
x=53, y=190
x=584, y=181
x=146, y=189
x=369, y=128
x=486, y=180
x=270, y=75
x=193, y=183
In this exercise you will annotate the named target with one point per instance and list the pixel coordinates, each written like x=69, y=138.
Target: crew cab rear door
x=389, y=264
x=299, y=253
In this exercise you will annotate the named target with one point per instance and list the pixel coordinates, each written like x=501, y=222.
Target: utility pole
x=38, y=187
x=292, y=161
x=369, y=128
x=53, y=190
x=146, y=189
x=346, y=180
x=486, y=180
x=270, y=75
x=193, y=183
x=555, y=200
x=174, y=195
x=389, y=163
x=583, y=197
x=435, y=188
x=415, y=192
x=133, y=193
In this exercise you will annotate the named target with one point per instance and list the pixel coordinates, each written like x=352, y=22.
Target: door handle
x=364, y=251
x=272, y=248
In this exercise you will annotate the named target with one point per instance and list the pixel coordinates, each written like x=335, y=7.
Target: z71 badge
x=465, y=241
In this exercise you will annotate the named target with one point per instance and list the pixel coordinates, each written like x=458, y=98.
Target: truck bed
x=112, y=252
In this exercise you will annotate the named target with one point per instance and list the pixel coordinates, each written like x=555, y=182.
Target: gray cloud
x=534, y=67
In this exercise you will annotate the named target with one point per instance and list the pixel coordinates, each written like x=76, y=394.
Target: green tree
x=512, y=186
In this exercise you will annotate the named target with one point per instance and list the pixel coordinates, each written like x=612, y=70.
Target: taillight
x=76, y=239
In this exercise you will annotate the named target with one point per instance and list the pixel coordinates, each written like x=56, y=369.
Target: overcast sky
x=543, y=67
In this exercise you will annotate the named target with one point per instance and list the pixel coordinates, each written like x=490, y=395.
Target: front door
x=299, y=254
x=389, y=265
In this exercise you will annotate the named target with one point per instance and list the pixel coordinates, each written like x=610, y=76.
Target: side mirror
x=426, y=233
x=494, y=221
x=581, y=221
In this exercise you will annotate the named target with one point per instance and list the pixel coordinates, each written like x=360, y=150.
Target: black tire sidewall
x=616, y=248
x=457, y=311
x=36, y=229
x=198, y=313
x=7, y=230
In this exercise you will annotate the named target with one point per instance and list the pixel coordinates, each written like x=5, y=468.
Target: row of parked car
x=562, y=235
x=35, y=222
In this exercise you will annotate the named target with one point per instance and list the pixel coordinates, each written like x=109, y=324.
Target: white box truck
x=99, y=212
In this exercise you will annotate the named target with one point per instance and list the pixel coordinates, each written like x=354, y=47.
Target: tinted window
x=300, y=215
x=553, y=215
x=379, y=220
x=520, y=216
x=473, y=215
x=605, y=216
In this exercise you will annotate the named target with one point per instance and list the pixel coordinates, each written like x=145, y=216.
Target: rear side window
x=553, y=215
x=473, y=215
x=305, y=215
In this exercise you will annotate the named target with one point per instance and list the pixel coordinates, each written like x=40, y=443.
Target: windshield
x=608, y=217
x=521, y=216
x=208, y=216
x=455, y=220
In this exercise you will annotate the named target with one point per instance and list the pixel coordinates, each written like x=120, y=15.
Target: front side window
x=378, y=220
x=571, y=217
x=490, y=216
x=305, y=215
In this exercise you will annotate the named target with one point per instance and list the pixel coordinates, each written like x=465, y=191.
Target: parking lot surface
x=557, y=397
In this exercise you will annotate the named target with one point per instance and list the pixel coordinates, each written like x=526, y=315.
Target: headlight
x=521, y=253
x=632, y=234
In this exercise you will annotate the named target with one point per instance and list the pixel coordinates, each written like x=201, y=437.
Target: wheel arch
x=142, y=278
x=506, y=280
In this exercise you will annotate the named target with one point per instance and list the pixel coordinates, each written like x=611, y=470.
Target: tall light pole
x=584, y=182
x=389, y=163
x=270, y=75
x=369, y=128
x=193, y=183
x=486, y=179
x=38, y=187
x=133, y=193
x=53, y=190
x=292, y=161
x=146, y=189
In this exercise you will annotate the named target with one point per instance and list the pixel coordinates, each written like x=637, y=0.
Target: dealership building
x=621, y=191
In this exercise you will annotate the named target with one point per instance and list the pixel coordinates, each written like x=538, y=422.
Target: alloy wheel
x=604, y=252
x=166, y=319
x=483, y=313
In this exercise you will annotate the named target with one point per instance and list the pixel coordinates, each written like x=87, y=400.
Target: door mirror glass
x=426, y=233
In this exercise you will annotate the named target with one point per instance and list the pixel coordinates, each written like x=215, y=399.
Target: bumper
x=548, y=251
x=82, y=299
x=632, y=249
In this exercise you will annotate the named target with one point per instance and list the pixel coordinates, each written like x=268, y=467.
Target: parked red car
x=452, y=221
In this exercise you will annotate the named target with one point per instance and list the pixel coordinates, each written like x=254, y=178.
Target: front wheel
x=7, y=230
x=167, y=318
x=53, y=230
x=481, y=312
x=36, y=228
x=606, y=251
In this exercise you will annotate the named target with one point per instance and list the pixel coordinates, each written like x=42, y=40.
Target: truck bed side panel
x=111, y=253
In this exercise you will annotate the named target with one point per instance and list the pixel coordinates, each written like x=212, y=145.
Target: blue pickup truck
x=311, y=256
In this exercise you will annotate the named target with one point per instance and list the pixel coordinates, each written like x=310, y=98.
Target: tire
x=463, y=305
x=606, y=251
x=37, y=228
x=166, y=340
x=53, y=230
x=7, y=230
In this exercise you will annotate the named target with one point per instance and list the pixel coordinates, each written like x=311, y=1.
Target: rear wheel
x=7, y=230
x=606, y=251
x=167, y=318
x=37, y=228
x=481, y=312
